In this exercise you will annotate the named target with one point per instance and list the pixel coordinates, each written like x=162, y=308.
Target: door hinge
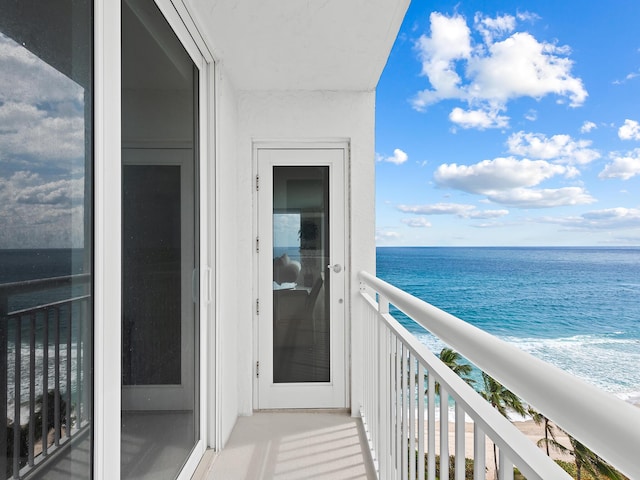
x=257, y=369
x=257, y=182
x=257, y=244
x=258, y=306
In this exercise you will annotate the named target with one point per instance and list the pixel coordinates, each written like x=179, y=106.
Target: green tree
x=591, y=463
x=584, y=458
x=503, y=400
x=549, y=440
x=455, y=362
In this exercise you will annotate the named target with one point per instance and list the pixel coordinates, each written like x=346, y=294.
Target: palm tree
x=455, y=362
x=549, y=439
x=503, y=400
x=591, y=463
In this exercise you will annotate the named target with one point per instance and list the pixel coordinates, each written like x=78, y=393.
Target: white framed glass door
x=301, y=316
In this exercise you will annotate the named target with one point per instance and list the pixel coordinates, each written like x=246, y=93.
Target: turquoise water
x=576, y=308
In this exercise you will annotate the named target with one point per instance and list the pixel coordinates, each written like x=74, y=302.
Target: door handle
x=337, y=268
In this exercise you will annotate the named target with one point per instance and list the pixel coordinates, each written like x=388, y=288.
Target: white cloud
x=486, y=214
x=587, y=127
x=610, y=218
x=384, y=236
x=488, y=74
x=419, y=222
x=630, y=130
x=450, y=41
x=398, y=157
x=458, y=209
x=623, y=167
x=521, y=66
x=480, y=119
x=490, y=28
x=42, y=148
x=508, y=181
x=38, y=81
x=542, y=198
x=558, y=148
x=496, y=175
x=40, y=135
x=38, y=212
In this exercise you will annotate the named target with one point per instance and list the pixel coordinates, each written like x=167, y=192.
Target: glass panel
x=160, y=318
x=151, y=275
x=46, y=246
x=301, y=349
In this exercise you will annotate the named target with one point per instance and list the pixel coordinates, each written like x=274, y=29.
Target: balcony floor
x=289, y=445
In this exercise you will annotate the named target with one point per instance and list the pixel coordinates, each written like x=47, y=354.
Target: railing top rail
x=608, y=425
x=27, y=286
x=47, y=306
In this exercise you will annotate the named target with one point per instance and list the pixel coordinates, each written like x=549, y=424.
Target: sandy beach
x=529, y=428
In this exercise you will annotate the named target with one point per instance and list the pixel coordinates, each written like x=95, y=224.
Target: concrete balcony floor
x=292, y=445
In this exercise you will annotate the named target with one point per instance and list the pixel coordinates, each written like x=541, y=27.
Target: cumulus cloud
x=398, y=157
x=630, y=130
x=419, y=222
x=42, y=148
x=492, y=70
x=37, y=212
x=558, y=148
x=509, y=181
x=491, y=28
x=542, y=198
x=623, y=167
x=496, y=175
x=458, y=209
x=587, y=127
x=479, y=119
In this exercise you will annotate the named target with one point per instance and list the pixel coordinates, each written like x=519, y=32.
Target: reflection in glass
x=160, y=328
x=46, y=248
x=301, y=348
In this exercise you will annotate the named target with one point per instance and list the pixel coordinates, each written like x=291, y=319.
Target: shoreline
x=529, y=428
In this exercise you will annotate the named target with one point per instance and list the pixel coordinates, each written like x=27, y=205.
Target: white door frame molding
x=339, y=207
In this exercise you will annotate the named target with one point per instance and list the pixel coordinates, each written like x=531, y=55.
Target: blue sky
x=506, y=123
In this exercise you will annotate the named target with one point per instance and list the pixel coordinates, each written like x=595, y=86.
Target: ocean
x=576, y=308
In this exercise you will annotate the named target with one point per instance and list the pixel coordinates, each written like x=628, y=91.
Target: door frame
x=338, y=206
x=171, y=397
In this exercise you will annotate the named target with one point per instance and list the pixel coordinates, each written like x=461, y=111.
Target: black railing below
x=45, y=344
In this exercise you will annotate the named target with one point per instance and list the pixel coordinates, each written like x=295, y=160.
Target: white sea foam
x=610, y=363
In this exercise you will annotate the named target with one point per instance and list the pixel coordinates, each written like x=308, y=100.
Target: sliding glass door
x=160, y=249
x=46, y=241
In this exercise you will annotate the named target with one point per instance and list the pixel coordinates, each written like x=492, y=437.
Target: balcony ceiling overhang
x=301, y=44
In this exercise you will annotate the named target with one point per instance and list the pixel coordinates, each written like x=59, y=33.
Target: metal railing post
x=4, y=360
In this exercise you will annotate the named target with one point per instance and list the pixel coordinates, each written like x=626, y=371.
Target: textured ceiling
x=301, y=44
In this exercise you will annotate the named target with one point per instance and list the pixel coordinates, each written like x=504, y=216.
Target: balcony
x=402, y=420
x=399, y=406
x=400, y=415
x=47, y=406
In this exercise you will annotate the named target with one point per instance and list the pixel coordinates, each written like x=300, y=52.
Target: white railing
x=393, y=407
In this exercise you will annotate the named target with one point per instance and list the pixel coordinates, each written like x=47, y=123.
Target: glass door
x=160, y=418
x=301, y=279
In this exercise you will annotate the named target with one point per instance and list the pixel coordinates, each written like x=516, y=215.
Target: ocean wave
x=609, y=362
